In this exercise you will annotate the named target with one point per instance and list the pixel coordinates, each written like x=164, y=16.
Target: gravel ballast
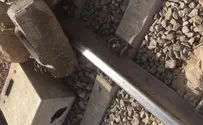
x=172, y=38
x=125, y=110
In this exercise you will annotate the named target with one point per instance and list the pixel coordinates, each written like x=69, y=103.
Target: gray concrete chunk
x=46, y=40
x=31, y=98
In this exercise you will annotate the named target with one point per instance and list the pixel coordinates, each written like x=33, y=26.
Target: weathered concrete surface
x=11, y=49
x=136, y=20
x=39, y=95
x=47, y=42
x=100, y=100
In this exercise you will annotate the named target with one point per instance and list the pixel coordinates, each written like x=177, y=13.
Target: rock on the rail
x=46, y=40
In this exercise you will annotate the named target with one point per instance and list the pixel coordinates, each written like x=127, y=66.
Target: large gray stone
x=46, y=40
x=100, y=100
x=31, y=98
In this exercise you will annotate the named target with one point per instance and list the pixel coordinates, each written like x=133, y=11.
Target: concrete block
x=45, y=39
x=99, y=101
x=137, y=19
x=31, y=98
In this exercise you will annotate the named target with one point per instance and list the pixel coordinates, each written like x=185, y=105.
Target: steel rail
x=154, y=95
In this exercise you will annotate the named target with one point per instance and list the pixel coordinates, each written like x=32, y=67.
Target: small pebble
x=175, y=15
x=185, y=29
x=163, y=23
x=171, y=64
x=193, y=13
x=191, y=41
x=168, y=14
x=192, y=5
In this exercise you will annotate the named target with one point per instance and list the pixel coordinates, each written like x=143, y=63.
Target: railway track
x=154, y=95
